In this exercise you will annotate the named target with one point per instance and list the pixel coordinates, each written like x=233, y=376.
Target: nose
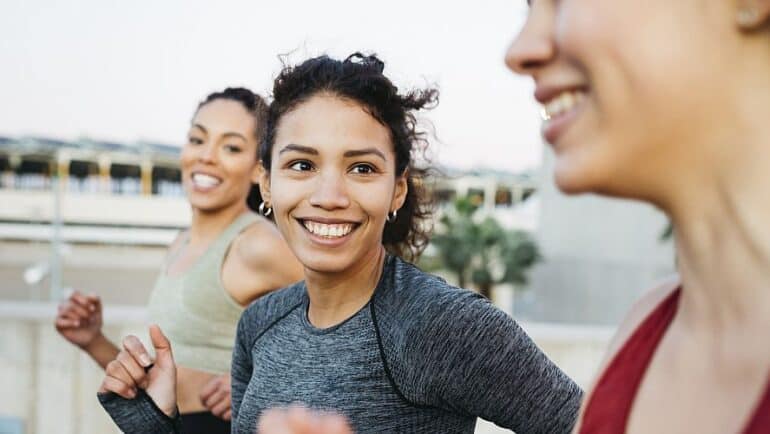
x=208, y=153
x=330, y=192
x=534, y=46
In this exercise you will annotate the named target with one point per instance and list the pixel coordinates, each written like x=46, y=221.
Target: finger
x=228, y=415
x=81, y=300
x=111, y=384
x=95, y=302
x=72, y=308
x=74, y=315
x=217, y=400
x=65, y=323
x=209, y=388
x=221, y=407
x=273, y=421
x=162, y=346
x=116, y=370
x=132, y=367
x=134, y=346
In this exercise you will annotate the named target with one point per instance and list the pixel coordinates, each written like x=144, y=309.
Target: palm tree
x=482, y=251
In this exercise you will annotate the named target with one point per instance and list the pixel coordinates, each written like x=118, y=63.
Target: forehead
x=221, y=116
x=330, y=123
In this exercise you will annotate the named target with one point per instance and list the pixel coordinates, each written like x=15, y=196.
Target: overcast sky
x=134, y=70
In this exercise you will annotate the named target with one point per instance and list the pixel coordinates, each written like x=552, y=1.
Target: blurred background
x=96, y=100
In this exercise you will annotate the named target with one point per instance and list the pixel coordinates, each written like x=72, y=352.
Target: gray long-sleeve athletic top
x=420, y=357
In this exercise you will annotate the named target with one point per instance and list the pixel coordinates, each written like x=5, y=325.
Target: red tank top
x=609, y=406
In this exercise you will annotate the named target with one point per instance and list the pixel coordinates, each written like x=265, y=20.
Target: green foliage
x=482, y=251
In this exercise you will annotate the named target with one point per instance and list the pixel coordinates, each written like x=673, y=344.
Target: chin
x=571, y=180
x=323, y=262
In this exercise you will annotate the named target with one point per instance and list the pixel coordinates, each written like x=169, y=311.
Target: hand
x=299, y=420
x=79, y=318
x=215, y=396
x=127, y=372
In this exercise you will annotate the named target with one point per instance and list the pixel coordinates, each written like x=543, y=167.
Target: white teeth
x=328, y=231
x=205, y=181
x=561, y=104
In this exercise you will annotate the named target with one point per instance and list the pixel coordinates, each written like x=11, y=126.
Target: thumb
x=162, y=346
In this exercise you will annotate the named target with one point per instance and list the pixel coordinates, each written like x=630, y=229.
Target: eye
x=363, y=169
x=194, y=140
x=301, y=166
x=234, y=149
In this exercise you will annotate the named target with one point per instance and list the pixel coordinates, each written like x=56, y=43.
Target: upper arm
x=638, y=313
x=259, y=261
x=241, y=367
x=472, y=358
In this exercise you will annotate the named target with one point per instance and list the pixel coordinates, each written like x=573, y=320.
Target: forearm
x=101, y=350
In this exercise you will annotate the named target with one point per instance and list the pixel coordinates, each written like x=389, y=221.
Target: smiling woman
x=227, y=258
x=366, y=334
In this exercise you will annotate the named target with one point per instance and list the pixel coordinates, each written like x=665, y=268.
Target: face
x=629, y=88
x=219, y=161
x=332, y=182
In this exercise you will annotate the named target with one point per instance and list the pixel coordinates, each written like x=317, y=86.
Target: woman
x=366, y=334
x=228, y=257
x=667, y=102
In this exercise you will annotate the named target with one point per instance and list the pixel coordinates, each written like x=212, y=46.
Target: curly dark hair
x=360, y=78
x=257, y=106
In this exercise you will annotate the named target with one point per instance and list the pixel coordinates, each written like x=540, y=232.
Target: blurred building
x=119, y=206
x=600, y=255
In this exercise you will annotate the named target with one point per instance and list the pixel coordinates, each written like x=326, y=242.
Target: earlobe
x=399, y=196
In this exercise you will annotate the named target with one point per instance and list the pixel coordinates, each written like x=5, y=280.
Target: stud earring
x=747, y=17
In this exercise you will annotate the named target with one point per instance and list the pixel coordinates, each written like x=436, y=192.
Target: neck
x=335, y=297
x=723, y=237
x=207, y=225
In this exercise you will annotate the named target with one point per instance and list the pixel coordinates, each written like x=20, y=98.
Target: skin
x=319, y=172
x=221, y=143
x=689, y=137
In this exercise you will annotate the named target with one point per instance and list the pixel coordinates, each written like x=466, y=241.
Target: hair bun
x=370, y=61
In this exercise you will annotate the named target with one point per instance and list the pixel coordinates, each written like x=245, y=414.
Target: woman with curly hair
x=366, y=334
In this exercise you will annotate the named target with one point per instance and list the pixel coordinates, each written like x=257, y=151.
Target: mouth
x=559, y=110
x=328, y=230
x=203, y=181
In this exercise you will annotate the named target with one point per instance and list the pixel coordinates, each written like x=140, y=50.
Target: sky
x=134, y=70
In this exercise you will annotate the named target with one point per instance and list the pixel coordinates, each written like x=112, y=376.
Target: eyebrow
x=347, y=154
x=225, y=135
x=367, y=151
x=298, y=148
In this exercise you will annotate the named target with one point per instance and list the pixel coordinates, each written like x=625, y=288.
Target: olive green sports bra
x=195, y=311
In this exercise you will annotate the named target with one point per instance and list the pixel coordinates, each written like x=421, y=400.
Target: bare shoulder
x=259, y=244
x=638, y=313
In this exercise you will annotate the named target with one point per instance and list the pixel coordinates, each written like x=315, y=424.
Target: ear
x=752, y=14
x=263, y=179
x=402, y=188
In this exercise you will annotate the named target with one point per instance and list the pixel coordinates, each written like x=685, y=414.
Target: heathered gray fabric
x=139, y=415
x=421, y=357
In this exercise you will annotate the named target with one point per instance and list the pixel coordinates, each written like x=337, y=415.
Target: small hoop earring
x=265, y=210
x=391, y=217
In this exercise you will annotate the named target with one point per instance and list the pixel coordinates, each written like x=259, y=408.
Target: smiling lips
x=204, y=181
x=562, y=103
x=327, y=230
